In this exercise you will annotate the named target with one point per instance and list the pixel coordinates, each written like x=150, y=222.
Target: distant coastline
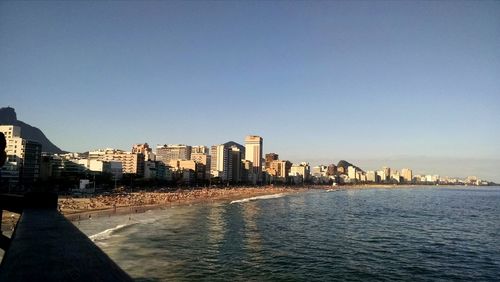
x=82, y=208
x=137, y=202
x=406, y=185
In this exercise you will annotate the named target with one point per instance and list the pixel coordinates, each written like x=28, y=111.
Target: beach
x=357, y=232
x=136, y=202
x=80, y=208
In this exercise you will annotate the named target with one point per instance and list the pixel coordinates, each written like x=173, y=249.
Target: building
x=371, y=176
x=205, y=159
x=319, y=171
x=197, y=169
x=331, y=170
x=23, y=158
x=351, y=172
x=270, y=158
x=387, y=173
x=157, y=170
x=226, y=161
x=360, y=176
x=341, y=170
x=435, y=178
x=145, y=150
x=253, y=153
x=407, y=175
x=395, y=176
x=132, y=163
x=216, y=160
x=31, y=162
x=247, y=175
x=236, y=156
x=67, y=166
x=381, y=176
x=199, y=150
x=115, y=168
x=166, y=153
x=300, y=172
x=14, y=145
x=471, y=180
x=279, y=170
x=10, y=131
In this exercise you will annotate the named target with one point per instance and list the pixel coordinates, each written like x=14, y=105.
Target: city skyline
x=230, y=156
x=377, y=84
x=455, y=167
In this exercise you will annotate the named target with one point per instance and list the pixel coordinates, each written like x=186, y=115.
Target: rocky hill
x=8, y=116
x=346, y=164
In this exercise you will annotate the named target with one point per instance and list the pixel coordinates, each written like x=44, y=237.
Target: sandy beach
x=78, y=208
x=106, y=205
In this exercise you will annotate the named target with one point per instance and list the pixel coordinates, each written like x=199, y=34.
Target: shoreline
x=161, y=200
x=139, y=202
x=82, y=210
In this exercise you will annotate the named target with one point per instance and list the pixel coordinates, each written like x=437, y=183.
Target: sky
x=397, y=83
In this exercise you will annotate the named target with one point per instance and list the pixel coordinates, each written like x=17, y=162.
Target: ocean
x=409, y=234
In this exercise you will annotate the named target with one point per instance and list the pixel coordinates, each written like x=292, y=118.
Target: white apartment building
x=253, y=153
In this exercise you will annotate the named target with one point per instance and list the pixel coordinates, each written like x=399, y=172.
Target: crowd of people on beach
x=114, y=201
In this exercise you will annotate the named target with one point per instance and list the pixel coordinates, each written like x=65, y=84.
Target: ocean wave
x=108, y=232
x=273, y=196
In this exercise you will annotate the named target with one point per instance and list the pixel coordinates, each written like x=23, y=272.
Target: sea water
x=412, y=234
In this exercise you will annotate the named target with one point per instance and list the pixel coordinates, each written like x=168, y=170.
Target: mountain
x=8, y=116
x=232, y=143
x=346, y=164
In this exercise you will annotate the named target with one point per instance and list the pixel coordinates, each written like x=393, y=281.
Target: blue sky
x=382, y=83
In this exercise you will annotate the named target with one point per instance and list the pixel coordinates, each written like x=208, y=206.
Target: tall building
x=32, y=158
x=387, y=173
x=351, y=172
x=226, y=161
x=215, y=166
x=24, y=157
x=235, y=163
x=253, y=153
x=381, y=176
x=166, y=153
x=371, y=176
x=407, y=175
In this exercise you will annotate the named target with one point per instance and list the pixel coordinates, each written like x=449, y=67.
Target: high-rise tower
x=253, y=153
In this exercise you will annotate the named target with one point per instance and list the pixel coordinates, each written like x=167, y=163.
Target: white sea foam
x=108, y=232
x=258, y=198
